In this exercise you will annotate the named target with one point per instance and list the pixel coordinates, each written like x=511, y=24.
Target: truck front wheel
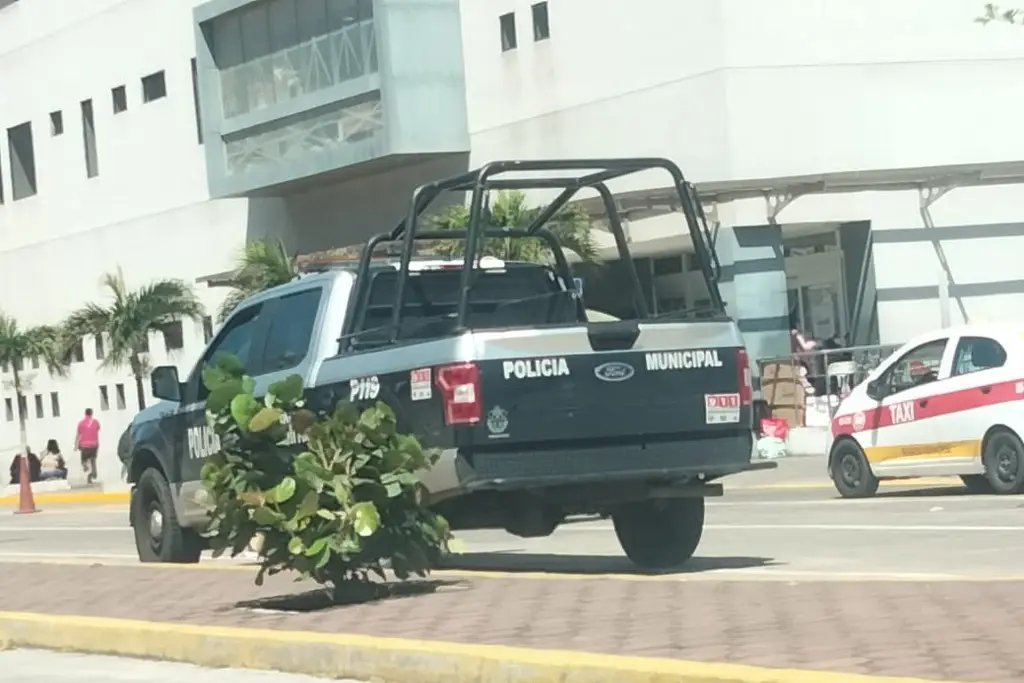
x=660, y=534
x=158, y=535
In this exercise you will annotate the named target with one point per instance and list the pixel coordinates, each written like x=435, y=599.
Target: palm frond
x=260, y=265
x=509, y=209
x=131, y=316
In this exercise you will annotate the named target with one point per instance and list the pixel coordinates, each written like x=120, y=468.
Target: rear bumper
x=695, y=459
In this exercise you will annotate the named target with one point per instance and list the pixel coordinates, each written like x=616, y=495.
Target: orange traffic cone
x=26, y=502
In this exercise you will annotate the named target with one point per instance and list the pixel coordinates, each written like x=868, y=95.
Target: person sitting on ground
x=52, y=463
x=34, y=467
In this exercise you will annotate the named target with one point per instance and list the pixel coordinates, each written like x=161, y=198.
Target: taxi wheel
x=850, y=471
x=1003, y=457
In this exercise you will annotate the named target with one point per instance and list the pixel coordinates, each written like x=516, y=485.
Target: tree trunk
x=19, y=398
x=140, y=388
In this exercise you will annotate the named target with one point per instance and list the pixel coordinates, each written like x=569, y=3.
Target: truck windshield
x=518, y=295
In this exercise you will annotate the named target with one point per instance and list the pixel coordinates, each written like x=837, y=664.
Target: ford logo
x=614, y=371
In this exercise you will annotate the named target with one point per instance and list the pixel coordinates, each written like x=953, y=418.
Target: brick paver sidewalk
x=943, y=630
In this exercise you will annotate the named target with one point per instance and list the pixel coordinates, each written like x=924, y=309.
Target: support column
x=753, y=285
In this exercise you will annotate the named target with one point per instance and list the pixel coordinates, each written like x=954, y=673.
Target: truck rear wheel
x=158, y=535
x=660, y=534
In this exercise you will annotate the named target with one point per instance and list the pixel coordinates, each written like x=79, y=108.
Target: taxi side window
x=974, y=354
x=918, y=366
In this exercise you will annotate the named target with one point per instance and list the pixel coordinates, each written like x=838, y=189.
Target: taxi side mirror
x=875, y=390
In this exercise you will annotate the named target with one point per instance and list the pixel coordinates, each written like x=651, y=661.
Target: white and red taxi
x=950, y=402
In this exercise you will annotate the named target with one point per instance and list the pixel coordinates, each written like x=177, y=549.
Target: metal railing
x=830, y=372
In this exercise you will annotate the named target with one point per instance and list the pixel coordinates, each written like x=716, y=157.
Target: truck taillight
x=460, y=393
x=743, y=377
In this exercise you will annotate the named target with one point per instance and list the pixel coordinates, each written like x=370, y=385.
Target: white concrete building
x=159, y=135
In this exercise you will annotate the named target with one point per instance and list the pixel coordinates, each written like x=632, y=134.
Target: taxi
x=946, y=403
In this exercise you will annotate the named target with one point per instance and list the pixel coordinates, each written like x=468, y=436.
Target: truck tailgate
x=611, y=381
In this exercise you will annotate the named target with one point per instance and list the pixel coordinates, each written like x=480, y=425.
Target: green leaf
x=326, y=514
x=365, y=518
x=289, y=389
x=325, y=557
x=265, y=419
x=317, y=546
x=295, y=546
x=229, y=364
x=308, y=506
x=394, y=489
x=243, y=407
x=253, y=498
x=302, y=420
x=284, y=490
x=248, y=384
x=221, y=397
x=265, y=516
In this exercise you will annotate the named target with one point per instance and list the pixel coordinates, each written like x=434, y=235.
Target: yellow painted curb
x=367, y=658
x=73, y=497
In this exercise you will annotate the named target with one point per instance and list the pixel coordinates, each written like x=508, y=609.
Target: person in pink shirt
x=87, y=442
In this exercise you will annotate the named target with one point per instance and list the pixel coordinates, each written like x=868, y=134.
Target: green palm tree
x=128, y=320
x=508, y=209
x=41, y=343
x=261, y=265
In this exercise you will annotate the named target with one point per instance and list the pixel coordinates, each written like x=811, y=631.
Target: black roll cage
x=482, y=181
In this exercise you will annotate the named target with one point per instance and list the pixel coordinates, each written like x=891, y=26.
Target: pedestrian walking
x=87, y=443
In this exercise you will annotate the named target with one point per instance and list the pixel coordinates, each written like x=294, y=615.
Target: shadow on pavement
x=349, y=594
x=927, y=492
x=513, y=562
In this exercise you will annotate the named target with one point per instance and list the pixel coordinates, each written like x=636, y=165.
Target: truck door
x=241, y=336
x=904, y=420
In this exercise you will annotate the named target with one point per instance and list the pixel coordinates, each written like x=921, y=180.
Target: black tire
x=850, y=472
x=1003, y=456
x=976, y=483
x=170, y=542
x=660, y=534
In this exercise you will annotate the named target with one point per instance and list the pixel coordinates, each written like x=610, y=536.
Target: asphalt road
x=34, y=666
x=785, y=524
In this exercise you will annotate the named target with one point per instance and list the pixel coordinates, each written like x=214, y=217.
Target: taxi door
x=981, y=392
x=903, y=437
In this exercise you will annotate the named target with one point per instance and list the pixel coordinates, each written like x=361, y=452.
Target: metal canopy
x=659, y=200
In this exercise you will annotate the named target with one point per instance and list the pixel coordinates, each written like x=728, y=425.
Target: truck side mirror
x=164, y=383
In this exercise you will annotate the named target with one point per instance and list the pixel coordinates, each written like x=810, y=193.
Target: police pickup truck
x=540, y=414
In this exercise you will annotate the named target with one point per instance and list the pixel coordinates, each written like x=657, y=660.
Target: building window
x=22, y=155
x=508, y=31
x=23, y=406
x=207, y=329
x=541, y=29
x=39, y=406
x=154, y=87
x=144, y=346
x=19, y=365
x=78, y=352
x=92, y=164
x=55, y=404
x=195, y=101
x=174, y=336
x=56, y=123
x=104, y=399
x=100, y=351
x=119, y=96
x=35, y=362
x=5, y=367
x=119, y=396
x=9, y=409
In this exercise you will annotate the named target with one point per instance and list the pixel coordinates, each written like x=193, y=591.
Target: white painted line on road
x=858, y=527
x=981, y=501
x=69, y=556
x=58, y=529
x=830, y=527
